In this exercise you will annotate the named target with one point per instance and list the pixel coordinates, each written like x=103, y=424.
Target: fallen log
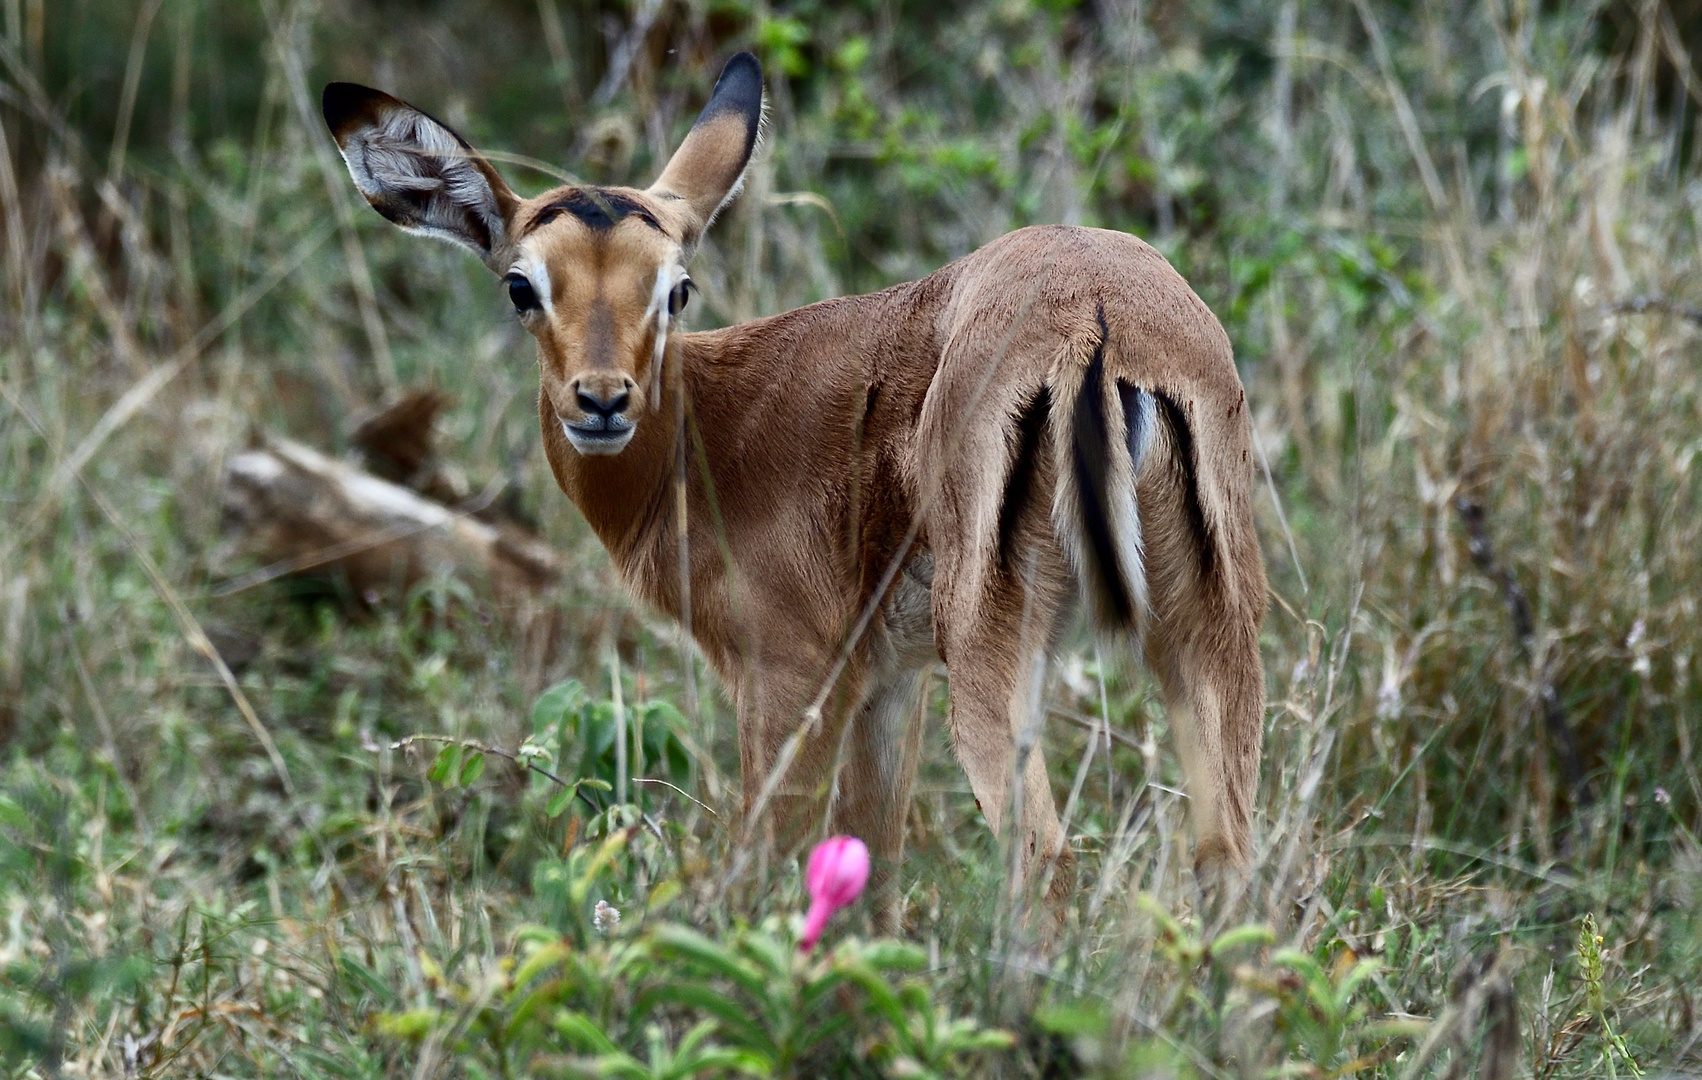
x=300, y=511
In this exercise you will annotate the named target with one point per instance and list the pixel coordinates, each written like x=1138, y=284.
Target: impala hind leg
x=1202, y=645
x=990, y=650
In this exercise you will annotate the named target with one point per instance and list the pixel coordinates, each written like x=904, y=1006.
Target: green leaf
x=812, y=992
x=894, y=956
x=560, y=801
x=580, y=887
x=472, y=768
x=540, y=996
x=555, y=703
x=881, y=994
x=542, y=958
x=982, y=1039
x=1351, y=981
x=1301, y=964
x=1249, y=935
x=14, y=815
x=444, y=766
x=736, y=1018
x=665, y=891
x=583, y=1033
x=692, y=946
x=355, y=971
x=412, y=1024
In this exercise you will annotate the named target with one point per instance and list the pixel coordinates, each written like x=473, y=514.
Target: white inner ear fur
x=667, y=276
x=408, y=152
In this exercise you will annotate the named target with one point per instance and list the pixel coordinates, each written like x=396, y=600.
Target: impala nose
x=596, y=406
x=602, y=400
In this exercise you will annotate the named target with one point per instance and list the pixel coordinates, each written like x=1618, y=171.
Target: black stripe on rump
x=1091, y=464
x=1019, y=484
x=1175, y=418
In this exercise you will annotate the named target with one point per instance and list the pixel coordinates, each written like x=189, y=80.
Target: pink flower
x=839, y=868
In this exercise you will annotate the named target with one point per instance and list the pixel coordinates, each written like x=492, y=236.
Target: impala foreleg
x=876, y=774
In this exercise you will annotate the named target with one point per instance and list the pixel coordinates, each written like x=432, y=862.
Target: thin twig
x=676, y=790
x=1282, y=517
x=625, y=50
x=1093, y=724
x=497, y=751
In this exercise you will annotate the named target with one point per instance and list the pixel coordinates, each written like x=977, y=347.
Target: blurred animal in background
x=835, y=498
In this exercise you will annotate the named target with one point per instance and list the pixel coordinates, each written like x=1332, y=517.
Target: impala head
x=595, y=274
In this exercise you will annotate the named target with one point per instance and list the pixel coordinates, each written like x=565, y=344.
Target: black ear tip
x=742, y=62
x=344, y=101
x=740, y=85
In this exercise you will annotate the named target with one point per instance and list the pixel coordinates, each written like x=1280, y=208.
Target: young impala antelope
x=1056, y=415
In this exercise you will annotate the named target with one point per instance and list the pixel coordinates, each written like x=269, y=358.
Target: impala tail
x=1108, y=435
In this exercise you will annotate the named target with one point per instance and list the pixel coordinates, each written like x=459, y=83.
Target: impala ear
x=708, y=168
x=418, y=173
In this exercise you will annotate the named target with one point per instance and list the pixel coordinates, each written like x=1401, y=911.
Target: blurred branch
x=132, y=81
x=1638, y=305
x=344, y=549
x=1524, y=630
x=1093, y=725
x=299, y=509
x=1481, y=1001
x=555, y=39
x=621, y=57
x=336, y=190
x=1405, y=118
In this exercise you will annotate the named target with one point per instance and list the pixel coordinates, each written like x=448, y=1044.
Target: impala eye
x=678, y=297
x=521, y=293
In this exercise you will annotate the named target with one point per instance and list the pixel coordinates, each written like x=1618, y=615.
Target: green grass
x=1435, y=300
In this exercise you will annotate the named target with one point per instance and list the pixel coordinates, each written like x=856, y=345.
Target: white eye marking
x=666, y=277
x=534, y=270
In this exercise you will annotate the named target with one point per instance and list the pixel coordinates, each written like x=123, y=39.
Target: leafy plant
x=1590, y=971
x=639, y=997
x=578, y=734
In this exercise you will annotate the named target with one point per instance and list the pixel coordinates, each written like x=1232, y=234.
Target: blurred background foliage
x=1455, y=245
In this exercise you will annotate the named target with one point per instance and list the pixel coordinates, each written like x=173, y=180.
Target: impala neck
x=730, y=377
x=628, y=498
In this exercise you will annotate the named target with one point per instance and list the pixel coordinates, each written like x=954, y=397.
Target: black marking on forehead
x=598, y=208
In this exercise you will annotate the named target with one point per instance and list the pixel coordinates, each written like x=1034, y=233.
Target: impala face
x=597, y=277
x=594, y=274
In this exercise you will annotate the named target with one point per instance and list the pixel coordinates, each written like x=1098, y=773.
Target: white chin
x=599, y=445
